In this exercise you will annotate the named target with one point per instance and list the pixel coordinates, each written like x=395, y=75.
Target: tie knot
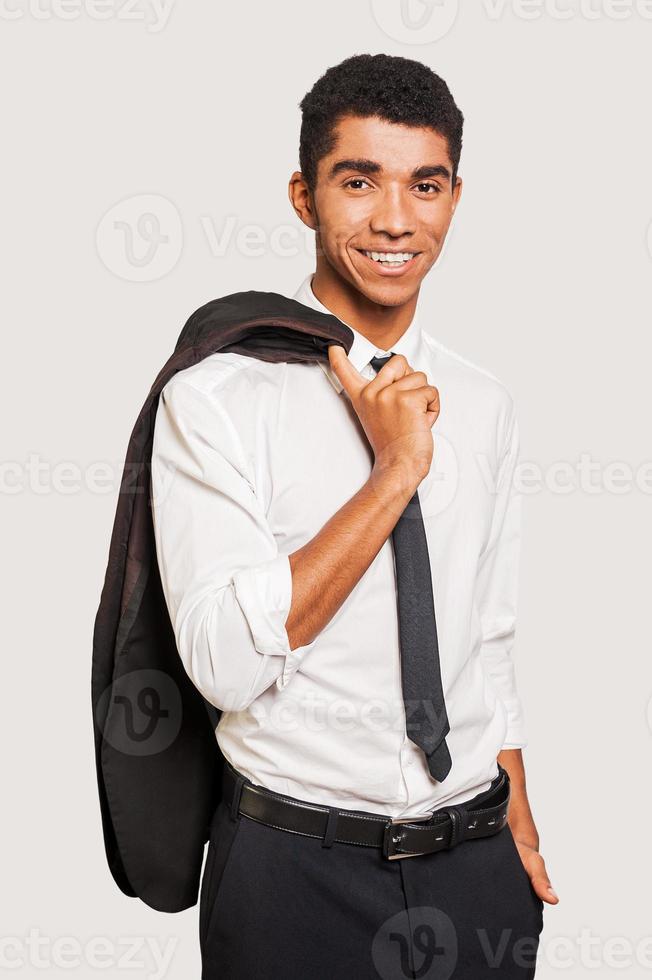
x=377, y=362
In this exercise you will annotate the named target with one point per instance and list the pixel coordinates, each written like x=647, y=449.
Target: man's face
x=384, y=189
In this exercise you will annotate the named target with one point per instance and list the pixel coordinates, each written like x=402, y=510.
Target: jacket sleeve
x=497, y=587
x=228, y=589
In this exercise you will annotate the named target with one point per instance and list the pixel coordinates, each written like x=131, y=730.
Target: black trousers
x=278, y=906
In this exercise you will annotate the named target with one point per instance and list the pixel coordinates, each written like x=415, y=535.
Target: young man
x=312, y=518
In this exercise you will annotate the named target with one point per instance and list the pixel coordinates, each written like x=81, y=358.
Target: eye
x=356, y=180
x=429, y=188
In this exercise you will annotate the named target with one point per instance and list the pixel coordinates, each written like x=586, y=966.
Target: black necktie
x=423, y=696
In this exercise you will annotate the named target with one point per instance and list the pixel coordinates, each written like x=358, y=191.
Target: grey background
x=544, y=282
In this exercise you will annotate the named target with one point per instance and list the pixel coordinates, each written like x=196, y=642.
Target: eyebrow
x=372, y=167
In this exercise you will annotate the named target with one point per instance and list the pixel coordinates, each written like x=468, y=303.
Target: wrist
x=524, y=832
x=396, y=480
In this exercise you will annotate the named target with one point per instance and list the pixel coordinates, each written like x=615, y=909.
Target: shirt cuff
x=264, y=593
x=292, y=662
x=515, y=736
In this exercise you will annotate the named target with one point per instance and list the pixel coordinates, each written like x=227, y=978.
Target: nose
x=393, y=214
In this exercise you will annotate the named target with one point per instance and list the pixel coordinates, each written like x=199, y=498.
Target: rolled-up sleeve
x=497, y=588
x=227, y=587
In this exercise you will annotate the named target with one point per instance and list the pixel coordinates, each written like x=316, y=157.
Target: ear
x=301, y=199
x=457, y=192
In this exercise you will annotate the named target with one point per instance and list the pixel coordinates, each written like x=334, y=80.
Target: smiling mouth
x=390, y=260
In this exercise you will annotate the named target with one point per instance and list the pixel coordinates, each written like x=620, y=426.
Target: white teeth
x=390, y=258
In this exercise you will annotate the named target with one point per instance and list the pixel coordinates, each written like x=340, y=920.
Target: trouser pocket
x=224, y=831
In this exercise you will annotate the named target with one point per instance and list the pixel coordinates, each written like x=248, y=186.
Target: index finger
x=347, y=374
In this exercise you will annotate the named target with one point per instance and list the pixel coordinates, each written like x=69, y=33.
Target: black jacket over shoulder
x=158, y=763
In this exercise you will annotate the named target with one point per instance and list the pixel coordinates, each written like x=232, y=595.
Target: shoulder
x=221, y=374
x=226, y=399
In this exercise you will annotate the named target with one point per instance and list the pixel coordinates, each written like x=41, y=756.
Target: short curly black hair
x=397, y=89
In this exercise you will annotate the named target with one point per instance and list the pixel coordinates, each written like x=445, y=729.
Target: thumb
x=348, y=375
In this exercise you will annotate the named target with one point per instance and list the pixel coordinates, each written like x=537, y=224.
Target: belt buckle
x=389, y=838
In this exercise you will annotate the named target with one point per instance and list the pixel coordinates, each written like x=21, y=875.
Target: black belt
x=483, y=816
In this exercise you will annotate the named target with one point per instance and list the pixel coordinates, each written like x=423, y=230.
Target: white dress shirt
x=250, y=459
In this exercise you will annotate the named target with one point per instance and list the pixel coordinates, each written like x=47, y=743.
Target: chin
x=389, y=293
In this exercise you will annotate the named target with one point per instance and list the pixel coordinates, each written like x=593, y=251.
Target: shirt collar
x=362, y=349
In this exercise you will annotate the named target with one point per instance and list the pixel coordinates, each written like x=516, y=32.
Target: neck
x=382, y=325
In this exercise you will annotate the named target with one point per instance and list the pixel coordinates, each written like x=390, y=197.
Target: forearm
x=520, y=817
x=327, y=568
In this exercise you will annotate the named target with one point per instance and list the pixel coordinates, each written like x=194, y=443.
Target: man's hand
x=536, y=869
x=397, y=410
x=522, y=826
